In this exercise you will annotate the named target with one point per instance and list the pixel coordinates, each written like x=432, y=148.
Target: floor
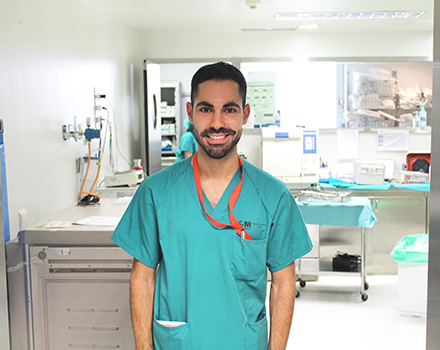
x=329, y=314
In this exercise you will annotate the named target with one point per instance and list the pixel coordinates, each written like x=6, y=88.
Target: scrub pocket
x=248, y=259
x=257, y=335
x=171, y=338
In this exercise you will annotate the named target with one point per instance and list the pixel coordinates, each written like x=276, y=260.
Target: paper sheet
x=393, y=140
x=348, y=144
x=58, y=224
x=99, y=221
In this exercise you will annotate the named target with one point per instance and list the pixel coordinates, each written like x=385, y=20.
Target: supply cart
x=355, y=212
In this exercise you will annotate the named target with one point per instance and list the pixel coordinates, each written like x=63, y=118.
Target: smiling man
x=211, y=225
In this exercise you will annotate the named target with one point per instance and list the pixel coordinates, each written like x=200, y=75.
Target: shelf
x=325, y=268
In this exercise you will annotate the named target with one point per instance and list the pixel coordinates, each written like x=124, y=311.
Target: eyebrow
x=231, y=104
x=226, y=105
x=204, y=103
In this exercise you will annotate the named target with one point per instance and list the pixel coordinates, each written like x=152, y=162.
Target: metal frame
x=363, y=272
x=433, y=310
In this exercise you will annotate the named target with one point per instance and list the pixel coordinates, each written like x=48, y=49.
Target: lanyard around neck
x=232, y=200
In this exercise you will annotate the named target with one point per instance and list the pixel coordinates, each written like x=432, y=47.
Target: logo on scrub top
x=246, y=224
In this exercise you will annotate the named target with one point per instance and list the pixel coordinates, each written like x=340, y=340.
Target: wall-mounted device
x=73, y=131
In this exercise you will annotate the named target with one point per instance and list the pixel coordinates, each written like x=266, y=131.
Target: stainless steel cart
x=356, y=212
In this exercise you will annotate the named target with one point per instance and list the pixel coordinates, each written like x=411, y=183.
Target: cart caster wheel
x=297, y=294
x=302, y=284
x=364, y=297
x=366, y=286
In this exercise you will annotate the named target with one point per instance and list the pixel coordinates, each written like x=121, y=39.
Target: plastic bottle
x=278, y=118
x=342, y=121
x=137, y=164
x=422, y=115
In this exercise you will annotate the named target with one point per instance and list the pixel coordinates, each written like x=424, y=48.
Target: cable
x=91, y=197
x=99, y=165
x=100, y=155
x=106, y=131
x=85, y=177
x=97, y=175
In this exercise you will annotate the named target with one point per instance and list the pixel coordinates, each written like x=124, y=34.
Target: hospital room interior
x=345, y=108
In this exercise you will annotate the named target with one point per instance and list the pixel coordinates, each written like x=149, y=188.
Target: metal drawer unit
x=78, y=297
x=70, y=286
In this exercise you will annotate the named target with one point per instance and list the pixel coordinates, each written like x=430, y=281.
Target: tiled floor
x=329, y=314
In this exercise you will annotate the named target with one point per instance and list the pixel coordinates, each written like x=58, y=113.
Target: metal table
x=356, y=212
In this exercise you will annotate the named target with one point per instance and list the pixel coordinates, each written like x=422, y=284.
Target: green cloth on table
x=355, y=212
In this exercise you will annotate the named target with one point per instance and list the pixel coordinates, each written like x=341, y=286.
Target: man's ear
x=189, y=111
x=246, y=113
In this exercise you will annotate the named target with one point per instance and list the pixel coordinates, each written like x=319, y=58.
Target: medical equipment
x=124, y=178
x=307, y=196
x=291, y=156
x=368, y=173
x=418, y=162
x=411, y=177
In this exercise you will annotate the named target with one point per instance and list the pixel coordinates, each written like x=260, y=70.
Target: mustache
x=217, y=131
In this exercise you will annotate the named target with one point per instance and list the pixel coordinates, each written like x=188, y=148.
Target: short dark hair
x=218, y=71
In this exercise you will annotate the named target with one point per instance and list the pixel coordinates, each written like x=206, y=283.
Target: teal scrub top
x=207, y=276
x=187, y=143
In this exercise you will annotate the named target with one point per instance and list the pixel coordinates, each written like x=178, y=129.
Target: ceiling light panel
x=348, y=15
x=268, y=29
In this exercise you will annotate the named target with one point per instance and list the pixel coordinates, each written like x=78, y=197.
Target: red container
x=418, y=162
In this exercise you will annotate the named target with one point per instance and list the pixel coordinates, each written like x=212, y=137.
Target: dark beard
x=217, y=151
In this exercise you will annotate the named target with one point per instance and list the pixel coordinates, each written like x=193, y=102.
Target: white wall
x=53, y=54
x=186, y=45
x=305, y=92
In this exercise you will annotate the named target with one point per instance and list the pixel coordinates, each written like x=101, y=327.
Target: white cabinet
x=171, y=121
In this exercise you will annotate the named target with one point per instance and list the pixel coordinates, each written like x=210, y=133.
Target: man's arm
x=282, y=300
x=142, y=285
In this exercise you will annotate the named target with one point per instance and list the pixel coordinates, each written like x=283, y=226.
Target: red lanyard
x=232, y=200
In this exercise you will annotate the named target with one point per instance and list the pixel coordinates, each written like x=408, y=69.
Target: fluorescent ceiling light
x=348, y=15
x=268, y=29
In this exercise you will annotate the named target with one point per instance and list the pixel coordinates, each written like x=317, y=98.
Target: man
x=212, y=224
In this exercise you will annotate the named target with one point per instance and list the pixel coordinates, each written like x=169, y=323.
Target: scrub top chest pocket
x=248, y=260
